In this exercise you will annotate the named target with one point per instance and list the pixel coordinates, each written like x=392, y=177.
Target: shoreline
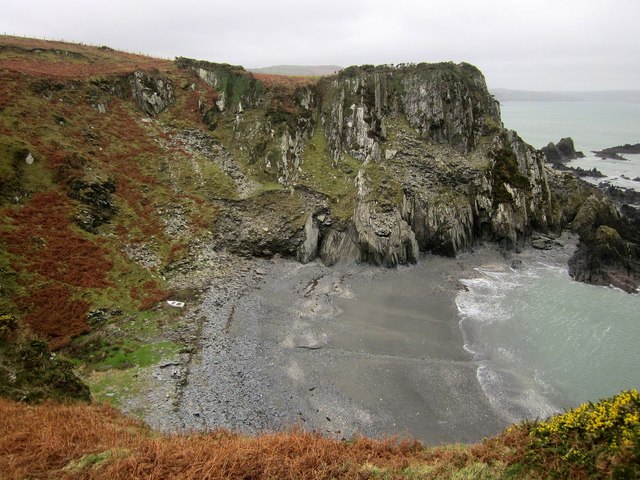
x=347, y=350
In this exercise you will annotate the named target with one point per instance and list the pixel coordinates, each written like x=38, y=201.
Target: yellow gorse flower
x=615, y=420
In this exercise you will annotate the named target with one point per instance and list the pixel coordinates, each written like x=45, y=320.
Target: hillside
x=78, y=441
x=299, y=70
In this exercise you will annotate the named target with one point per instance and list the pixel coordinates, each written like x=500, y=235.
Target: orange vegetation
x=48, y=247
x=50, y=441
x=149, y=295
x=61, y=259
x=54, y=315
x=61, y=60
x=284, y=82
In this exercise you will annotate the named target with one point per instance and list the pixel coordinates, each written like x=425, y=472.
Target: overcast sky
x=521, y=44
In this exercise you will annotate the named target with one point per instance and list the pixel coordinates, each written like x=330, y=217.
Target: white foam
x=512, y=402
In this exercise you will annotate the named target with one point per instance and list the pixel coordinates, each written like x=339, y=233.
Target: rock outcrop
x=431, y=167
x=96, y=201
x=608, y=252
x=462, y=177
x=614, y=153
x=151, y=91
x=561, y=152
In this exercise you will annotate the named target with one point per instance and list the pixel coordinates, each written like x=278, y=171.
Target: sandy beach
x=345, y=350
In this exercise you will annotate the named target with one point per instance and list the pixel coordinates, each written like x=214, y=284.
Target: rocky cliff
x=422, y=159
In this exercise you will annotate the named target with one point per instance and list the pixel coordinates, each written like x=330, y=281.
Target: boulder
x=561, y=152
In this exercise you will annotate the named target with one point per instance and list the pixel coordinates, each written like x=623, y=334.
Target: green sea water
x=544, y=342
x=592, y=125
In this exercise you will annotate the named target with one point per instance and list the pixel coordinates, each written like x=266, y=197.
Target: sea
x=543, y=342
x=592, y=125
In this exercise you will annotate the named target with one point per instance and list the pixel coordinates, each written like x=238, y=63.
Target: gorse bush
x=602, y=439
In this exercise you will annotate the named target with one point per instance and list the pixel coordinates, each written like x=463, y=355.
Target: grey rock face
x=309, y=248
x=434, y=169
x=153, y=93
x=608, y=252
x=445, y=103
x=97, y=206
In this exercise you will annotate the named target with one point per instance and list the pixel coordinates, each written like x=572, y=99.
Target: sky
x=519, y=44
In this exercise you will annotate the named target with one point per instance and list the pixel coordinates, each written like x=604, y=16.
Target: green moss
x=234, y=81
x=131, y=353
x=385, y=190
x=505, y=172
x=320, y=174
x=17, y=177
x=114, y=386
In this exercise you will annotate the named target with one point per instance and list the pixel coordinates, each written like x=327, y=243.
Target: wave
x=515, y=390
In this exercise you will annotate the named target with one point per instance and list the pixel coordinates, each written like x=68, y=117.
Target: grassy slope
x=53, y=272
x=84, y=292
x=90, y=441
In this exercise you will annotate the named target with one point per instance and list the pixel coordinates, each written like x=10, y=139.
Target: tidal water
x=545, y=343
x=592, y=125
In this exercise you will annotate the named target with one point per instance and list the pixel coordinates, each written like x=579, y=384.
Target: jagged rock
x=595, y=211
x=309, y=248
x=593, y=173
x=614, y=152
x=563, y=151
x=608, y=252
x=463, y=177
x=152, y=92
x=98, y=206
x=267, y=224
x=607, y=259
x=446, y=103
x=142, y=254
x=384, y=239
x=340, y=245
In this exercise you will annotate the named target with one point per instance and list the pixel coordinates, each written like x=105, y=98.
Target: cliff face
x=423, y=160
x=431, y=167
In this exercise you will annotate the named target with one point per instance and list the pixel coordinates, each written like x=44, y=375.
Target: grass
x=56, y=272
x=337, y=182
x=115, y=386
x=95, y=441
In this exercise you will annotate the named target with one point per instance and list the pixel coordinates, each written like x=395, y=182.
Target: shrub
x=601, y=439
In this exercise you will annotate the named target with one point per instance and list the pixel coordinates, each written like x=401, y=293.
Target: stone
x=97, y=204
x=152, y=92
x=542, y=244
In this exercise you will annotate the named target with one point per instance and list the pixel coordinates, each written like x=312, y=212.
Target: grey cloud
x=528, y=44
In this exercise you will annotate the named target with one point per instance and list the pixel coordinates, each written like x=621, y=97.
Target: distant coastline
x=509, y=95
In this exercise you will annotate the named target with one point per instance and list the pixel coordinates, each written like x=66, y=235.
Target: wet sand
x=343, y=350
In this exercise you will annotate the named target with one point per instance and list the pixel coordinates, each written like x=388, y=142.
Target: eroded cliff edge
x=386, y=162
